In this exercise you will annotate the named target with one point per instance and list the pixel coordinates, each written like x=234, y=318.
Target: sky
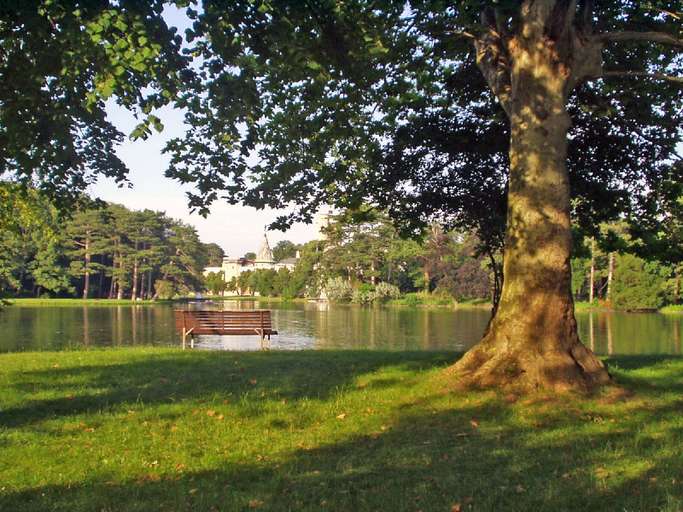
x=237, y=229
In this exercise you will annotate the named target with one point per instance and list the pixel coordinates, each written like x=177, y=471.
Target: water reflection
x=317, y=325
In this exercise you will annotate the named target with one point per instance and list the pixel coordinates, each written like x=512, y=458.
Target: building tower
x=265, y=254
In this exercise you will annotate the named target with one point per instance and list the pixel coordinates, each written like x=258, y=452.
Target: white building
x=232, y=267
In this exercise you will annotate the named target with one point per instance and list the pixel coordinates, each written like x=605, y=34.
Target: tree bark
x=610, y=276
x=532, y=342
x=591, y=292
x=86, y=270
x=119, y=282
x=134, y=288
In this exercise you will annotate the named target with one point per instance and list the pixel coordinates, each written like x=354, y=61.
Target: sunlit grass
x=80, y=302
x=160, y=429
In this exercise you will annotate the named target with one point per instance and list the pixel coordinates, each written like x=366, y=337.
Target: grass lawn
x=145, y=429
x=81, y=302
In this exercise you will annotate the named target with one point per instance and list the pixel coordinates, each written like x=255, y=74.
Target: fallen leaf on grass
x=149, y=477
x=255, y=503
x=456, y=507
x=341, y=416
x=520, y=489
x=601, y=472
x=253, y=382
x=211, y=412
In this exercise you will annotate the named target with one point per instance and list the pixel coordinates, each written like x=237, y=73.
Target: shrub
x=338, y=289
x=412, y=300
x=637, y=284
x=385, y=291
x=362, y=296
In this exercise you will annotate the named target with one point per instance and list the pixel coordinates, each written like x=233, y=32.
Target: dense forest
x=98, y=251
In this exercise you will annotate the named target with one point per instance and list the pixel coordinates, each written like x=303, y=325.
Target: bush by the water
x=338, y=289
x=638, y=284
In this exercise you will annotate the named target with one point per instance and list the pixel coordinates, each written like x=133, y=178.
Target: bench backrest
x=224, y=322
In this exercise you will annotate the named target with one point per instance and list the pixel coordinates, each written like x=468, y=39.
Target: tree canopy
x=60, y=62
x=346, y=102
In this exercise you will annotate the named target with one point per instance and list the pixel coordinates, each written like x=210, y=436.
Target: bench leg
x=191, y=340
x=184, y=337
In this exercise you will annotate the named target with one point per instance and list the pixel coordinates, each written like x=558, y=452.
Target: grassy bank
x=587, y=306
x=155, y=429
x=82, y=302
x=255, y=297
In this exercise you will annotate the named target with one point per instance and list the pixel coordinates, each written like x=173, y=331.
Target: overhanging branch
x=654, y=37
x=644, y=74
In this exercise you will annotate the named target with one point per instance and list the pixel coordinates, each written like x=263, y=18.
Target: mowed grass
x=144, y=429
x=37, y=302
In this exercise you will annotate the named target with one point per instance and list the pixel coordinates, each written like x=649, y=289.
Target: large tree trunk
x=532, y=341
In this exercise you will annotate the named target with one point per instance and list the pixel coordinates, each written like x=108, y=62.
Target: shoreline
x=437, y=303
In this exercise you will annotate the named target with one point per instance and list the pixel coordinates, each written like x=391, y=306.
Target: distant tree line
x=363, y=259
x=99, y=251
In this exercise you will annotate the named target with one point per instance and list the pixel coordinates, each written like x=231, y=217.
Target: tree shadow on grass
x=170, y=378
x=475, y=449
x=633, y=362
x=425, y=461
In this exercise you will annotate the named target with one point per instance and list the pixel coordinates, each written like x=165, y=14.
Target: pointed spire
x=265, y=253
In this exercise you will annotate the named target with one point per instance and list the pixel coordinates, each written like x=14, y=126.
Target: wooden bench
x=228, y=322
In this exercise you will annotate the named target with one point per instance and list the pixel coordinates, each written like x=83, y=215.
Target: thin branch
x=461, y=33
x=655, y=37
x=673, y=152
x=585, y=17
x=656, y=76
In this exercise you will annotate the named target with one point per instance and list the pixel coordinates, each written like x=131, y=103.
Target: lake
x=316, y=326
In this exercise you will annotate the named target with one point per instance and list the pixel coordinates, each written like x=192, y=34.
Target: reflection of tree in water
x=610, y=340
x=86, y=326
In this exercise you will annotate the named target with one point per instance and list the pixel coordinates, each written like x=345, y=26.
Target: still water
x=319, y=326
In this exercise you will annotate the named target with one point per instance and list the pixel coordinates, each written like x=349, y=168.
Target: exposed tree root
x=496, y=362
